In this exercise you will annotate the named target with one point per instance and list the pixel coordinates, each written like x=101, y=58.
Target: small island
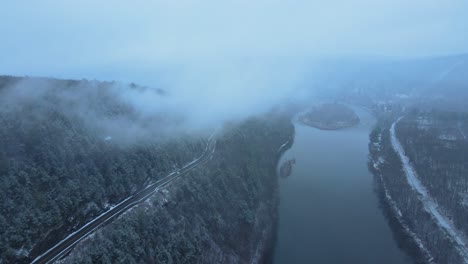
x=330, y=117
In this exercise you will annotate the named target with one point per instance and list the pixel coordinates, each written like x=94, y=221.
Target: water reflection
x=329, y=212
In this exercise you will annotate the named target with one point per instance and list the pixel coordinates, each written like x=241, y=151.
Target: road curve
x=66, y=245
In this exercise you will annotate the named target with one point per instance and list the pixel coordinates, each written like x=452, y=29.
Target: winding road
x=429, y=203
x=66, y=245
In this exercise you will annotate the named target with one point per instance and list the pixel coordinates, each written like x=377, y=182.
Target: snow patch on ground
x=22, y=252
x=379, y=162
x=447, y=137
x=424, y=123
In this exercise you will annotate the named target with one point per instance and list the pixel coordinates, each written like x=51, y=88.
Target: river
x=329, y=212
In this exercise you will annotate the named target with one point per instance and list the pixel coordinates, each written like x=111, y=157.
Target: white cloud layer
x=233, y=56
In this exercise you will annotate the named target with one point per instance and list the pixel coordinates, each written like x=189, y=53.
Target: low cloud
x=216, y=61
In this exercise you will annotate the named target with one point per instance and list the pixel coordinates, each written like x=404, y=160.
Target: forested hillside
x=223, y=212
x=437, y=150
x=71, y=149
x=437, y=82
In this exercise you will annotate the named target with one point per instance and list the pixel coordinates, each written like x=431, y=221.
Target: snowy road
x=461, y=132
x=429, y=203
x=67, y=244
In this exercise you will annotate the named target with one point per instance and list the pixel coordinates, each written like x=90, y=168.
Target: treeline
x=223, y=212
x=57, y=171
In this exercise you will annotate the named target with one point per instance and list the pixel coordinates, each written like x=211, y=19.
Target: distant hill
x=440, y=82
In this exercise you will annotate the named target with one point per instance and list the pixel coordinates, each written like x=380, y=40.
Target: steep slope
x=420, y=165
x=70, y=150
x=223, y=212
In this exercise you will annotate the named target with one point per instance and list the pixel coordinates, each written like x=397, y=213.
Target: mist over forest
x=234, y=131
x=220, y=66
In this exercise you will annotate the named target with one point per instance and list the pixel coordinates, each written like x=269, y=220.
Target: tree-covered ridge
x=437, y=148
x=437, y=151
x=66, y=156
x=223, y=212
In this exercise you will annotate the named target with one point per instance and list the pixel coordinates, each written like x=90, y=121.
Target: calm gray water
x=329, y=212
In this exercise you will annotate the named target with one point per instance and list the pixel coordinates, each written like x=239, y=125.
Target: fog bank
x=219, y=60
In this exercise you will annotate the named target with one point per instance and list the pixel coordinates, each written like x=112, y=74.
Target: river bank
x=329, y=211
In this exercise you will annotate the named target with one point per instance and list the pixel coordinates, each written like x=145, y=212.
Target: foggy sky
x=219, y=58
x=108, y=39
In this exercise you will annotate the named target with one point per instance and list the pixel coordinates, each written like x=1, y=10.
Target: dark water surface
x=329, y=212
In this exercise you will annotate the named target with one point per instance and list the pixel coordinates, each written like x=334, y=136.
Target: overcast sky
x=104, y=39
x=219, y=60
